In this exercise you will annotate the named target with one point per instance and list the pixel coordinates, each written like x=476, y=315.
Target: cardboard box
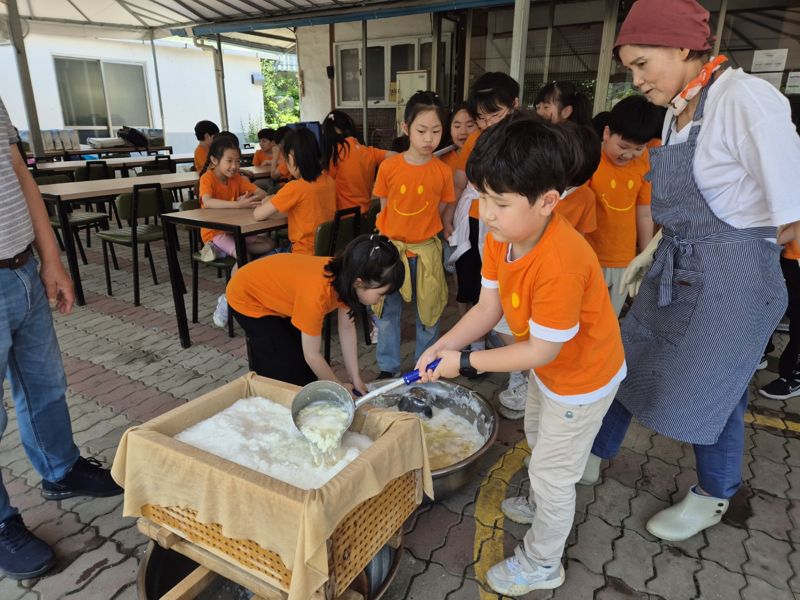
x=295, y=539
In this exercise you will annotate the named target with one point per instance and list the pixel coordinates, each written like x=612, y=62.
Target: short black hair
x=491, y=92
x=581, y=151
x=302, y=144
x=421, y=102
x=266, y=134
x=205, y=127
x=371, y=258
x=600, y=122
x=281, y=132
x=635, y=119
x=522, y=154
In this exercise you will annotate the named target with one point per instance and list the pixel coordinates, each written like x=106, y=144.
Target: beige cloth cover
x=156, y=469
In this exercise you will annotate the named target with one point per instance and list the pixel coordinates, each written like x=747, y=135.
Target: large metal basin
x=463, y=402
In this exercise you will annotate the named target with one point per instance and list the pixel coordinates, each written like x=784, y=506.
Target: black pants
x=275, y=348
x=788, y=361
x=468, y=269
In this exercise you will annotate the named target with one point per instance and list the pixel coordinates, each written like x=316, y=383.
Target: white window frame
x=387, y=44
x=111, y=126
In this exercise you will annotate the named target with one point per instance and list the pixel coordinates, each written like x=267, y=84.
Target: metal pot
x=463, y=402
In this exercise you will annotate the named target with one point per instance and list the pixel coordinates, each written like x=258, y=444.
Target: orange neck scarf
x=681, y=101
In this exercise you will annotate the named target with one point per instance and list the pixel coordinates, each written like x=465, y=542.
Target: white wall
x=186, y=73
x=313, y=51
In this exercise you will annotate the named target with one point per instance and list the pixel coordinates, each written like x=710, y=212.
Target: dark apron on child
x=705, y=310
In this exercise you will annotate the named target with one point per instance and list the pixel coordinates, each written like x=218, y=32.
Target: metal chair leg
x=77, y=235
x=152, y=264
x=230, y=315
x=135, y=250
x=105, y=245
x=195, y=268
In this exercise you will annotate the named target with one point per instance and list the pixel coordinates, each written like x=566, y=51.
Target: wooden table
x=85, y=149
x=237, y=221
x=261, y=172
x=123, y=164
x=63, y=194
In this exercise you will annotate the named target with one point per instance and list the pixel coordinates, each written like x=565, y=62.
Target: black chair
x=332, y=237
x=162, y=164
x=77, y=220
x=94, y=170
x=371, y=216
x=145, y=201
x=223, y=264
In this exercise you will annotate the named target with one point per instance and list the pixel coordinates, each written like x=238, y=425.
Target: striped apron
x=705, y=310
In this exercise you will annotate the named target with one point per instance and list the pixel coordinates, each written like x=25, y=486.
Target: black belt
x=15, y=262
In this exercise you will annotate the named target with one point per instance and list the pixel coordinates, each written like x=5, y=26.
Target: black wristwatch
x=465, y=368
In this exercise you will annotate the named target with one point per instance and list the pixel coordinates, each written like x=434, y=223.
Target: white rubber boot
x=591, y=472
x=688, y=517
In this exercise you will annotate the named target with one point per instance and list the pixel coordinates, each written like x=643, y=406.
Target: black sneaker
x=22, y=554
x=781, y=389
x=86, y=478
x=387, y=375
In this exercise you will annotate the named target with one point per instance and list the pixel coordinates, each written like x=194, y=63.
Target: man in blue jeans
x=31, y=359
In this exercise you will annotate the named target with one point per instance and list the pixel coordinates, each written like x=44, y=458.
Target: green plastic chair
x=332, y=237
x=223, y=264
x=77, y=219
x=94, y=170
x=145, y=201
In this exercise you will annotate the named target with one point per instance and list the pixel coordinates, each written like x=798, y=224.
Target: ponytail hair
x=224, y=140
x=566, y=94
x=371, y=258
x=337, y=126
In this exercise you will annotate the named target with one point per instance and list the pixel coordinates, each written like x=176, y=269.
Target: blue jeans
x=389, y=327
x=719, y=466
x=31, y=359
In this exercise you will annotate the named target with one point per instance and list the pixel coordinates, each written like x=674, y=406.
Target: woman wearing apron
x=724, y=184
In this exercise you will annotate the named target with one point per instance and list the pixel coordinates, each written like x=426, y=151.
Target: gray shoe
x=519, y=509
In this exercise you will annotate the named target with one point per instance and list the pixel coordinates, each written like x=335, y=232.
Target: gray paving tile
x=768, y=559
x=674, y=572
x=717, y=583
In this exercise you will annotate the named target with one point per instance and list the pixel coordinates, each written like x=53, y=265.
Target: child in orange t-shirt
x=417, y=202
x=281, y=302
x=578, y=204
x=309, y=199
x=222, y=186
x=278, y=169
x=266, y=142
x=351, y=163
x=624, y=220
x=204, y=131
x=544, y=277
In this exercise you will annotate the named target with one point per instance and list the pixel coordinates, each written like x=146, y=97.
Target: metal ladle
x=330, y=392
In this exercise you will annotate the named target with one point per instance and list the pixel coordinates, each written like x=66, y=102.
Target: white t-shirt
x=747, y=161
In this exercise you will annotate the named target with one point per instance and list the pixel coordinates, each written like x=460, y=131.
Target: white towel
x=460, y=238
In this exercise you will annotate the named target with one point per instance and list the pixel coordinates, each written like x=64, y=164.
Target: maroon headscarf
x=669, y=23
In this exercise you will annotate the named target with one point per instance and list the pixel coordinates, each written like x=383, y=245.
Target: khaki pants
x=613, y=277
x=560, y=437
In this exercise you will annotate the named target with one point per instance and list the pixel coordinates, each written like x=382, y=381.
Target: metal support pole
x=435, y=41
x=723, y=13
x=364, y=130
x=606, y=48
x=15, y=29
x=219, y=69
x=467, y=52
x=158, y=83
x=548, y=41
x=519, y=43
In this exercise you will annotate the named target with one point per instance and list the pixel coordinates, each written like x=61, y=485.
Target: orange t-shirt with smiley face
x=307, y=204
x=579, y=209
x=229, y=190
x=619, y=190
x=413, y=194
x=556, y=292
x=285, y=285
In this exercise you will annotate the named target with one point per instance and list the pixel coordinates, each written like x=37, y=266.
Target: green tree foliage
x=281, y=95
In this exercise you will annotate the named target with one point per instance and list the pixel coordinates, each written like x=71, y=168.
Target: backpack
x=133, y=136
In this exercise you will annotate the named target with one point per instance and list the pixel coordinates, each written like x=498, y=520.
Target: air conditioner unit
x=256, y=78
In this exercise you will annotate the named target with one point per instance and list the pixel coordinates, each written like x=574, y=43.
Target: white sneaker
x=220, y=317
x=519, y=509
x=208, y=252
x=516, y=396
x=591, y=472
x=518, y=575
